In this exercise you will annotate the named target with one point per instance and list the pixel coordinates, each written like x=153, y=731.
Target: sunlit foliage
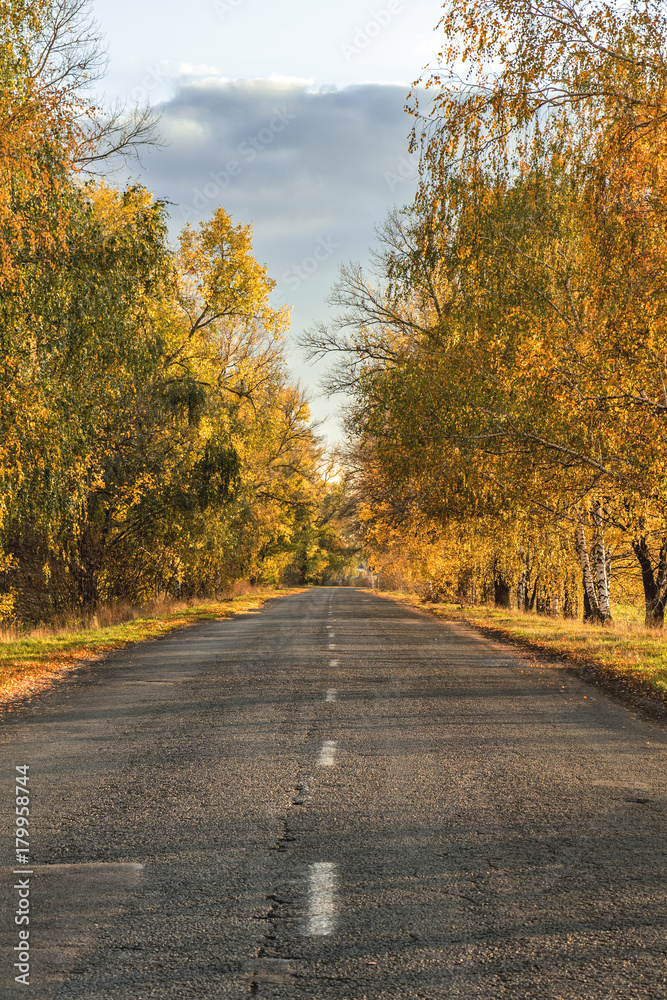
x=508, y=358
x=151, y=440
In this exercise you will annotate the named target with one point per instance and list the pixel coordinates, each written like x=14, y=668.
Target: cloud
x=291, y=158
x=313, y=169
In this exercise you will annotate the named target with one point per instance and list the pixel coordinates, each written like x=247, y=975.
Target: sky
x=289, y=114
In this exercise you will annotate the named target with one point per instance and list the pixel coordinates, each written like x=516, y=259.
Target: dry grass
x=31, y=662
x=626, y=651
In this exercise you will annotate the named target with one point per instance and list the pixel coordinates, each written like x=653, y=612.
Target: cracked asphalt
x=337, y=797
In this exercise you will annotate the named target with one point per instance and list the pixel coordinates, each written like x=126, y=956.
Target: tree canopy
x=152, y=440
x=507, y=357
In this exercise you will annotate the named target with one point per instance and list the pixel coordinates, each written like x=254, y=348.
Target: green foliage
x=150, y=439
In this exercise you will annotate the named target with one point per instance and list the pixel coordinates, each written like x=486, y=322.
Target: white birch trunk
x=589, y=586
x=600, y=564
x=521, y=592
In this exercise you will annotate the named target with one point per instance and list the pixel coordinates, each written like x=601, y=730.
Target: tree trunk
x=570, y=597
x=501, y=592
x=591, y=606
x=607, y=566
x=654, y=594
x=521, y=593
x=599, y=557
x=531, y=603
x=589, y=615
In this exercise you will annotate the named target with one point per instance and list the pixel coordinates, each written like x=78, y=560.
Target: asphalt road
x=337, y=797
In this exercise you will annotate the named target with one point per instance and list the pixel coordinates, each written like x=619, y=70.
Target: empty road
x=336, y=797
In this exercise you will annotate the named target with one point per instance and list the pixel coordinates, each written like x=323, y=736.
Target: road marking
x=322, y=906
x=327, y=753
x=333, y=663
x=331, y=694
x=332, y=645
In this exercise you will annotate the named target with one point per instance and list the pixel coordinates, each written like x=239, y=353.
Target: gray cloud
x=287, y=157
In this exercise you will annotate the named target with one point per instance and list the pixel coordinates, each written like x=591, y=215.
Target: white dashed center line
x=331, y=694
x=327, y=753
x=322, y=906
x=333, y=663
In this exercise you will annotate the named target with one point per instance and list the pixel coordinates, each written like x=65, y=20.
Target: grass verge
x=35, y=662
x=621, y=656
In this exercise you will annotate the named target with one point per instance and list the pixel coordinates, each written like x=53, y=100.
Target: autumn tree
x=508, y=362
x=476, y=380
x=168, y=452
x=151, y=440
